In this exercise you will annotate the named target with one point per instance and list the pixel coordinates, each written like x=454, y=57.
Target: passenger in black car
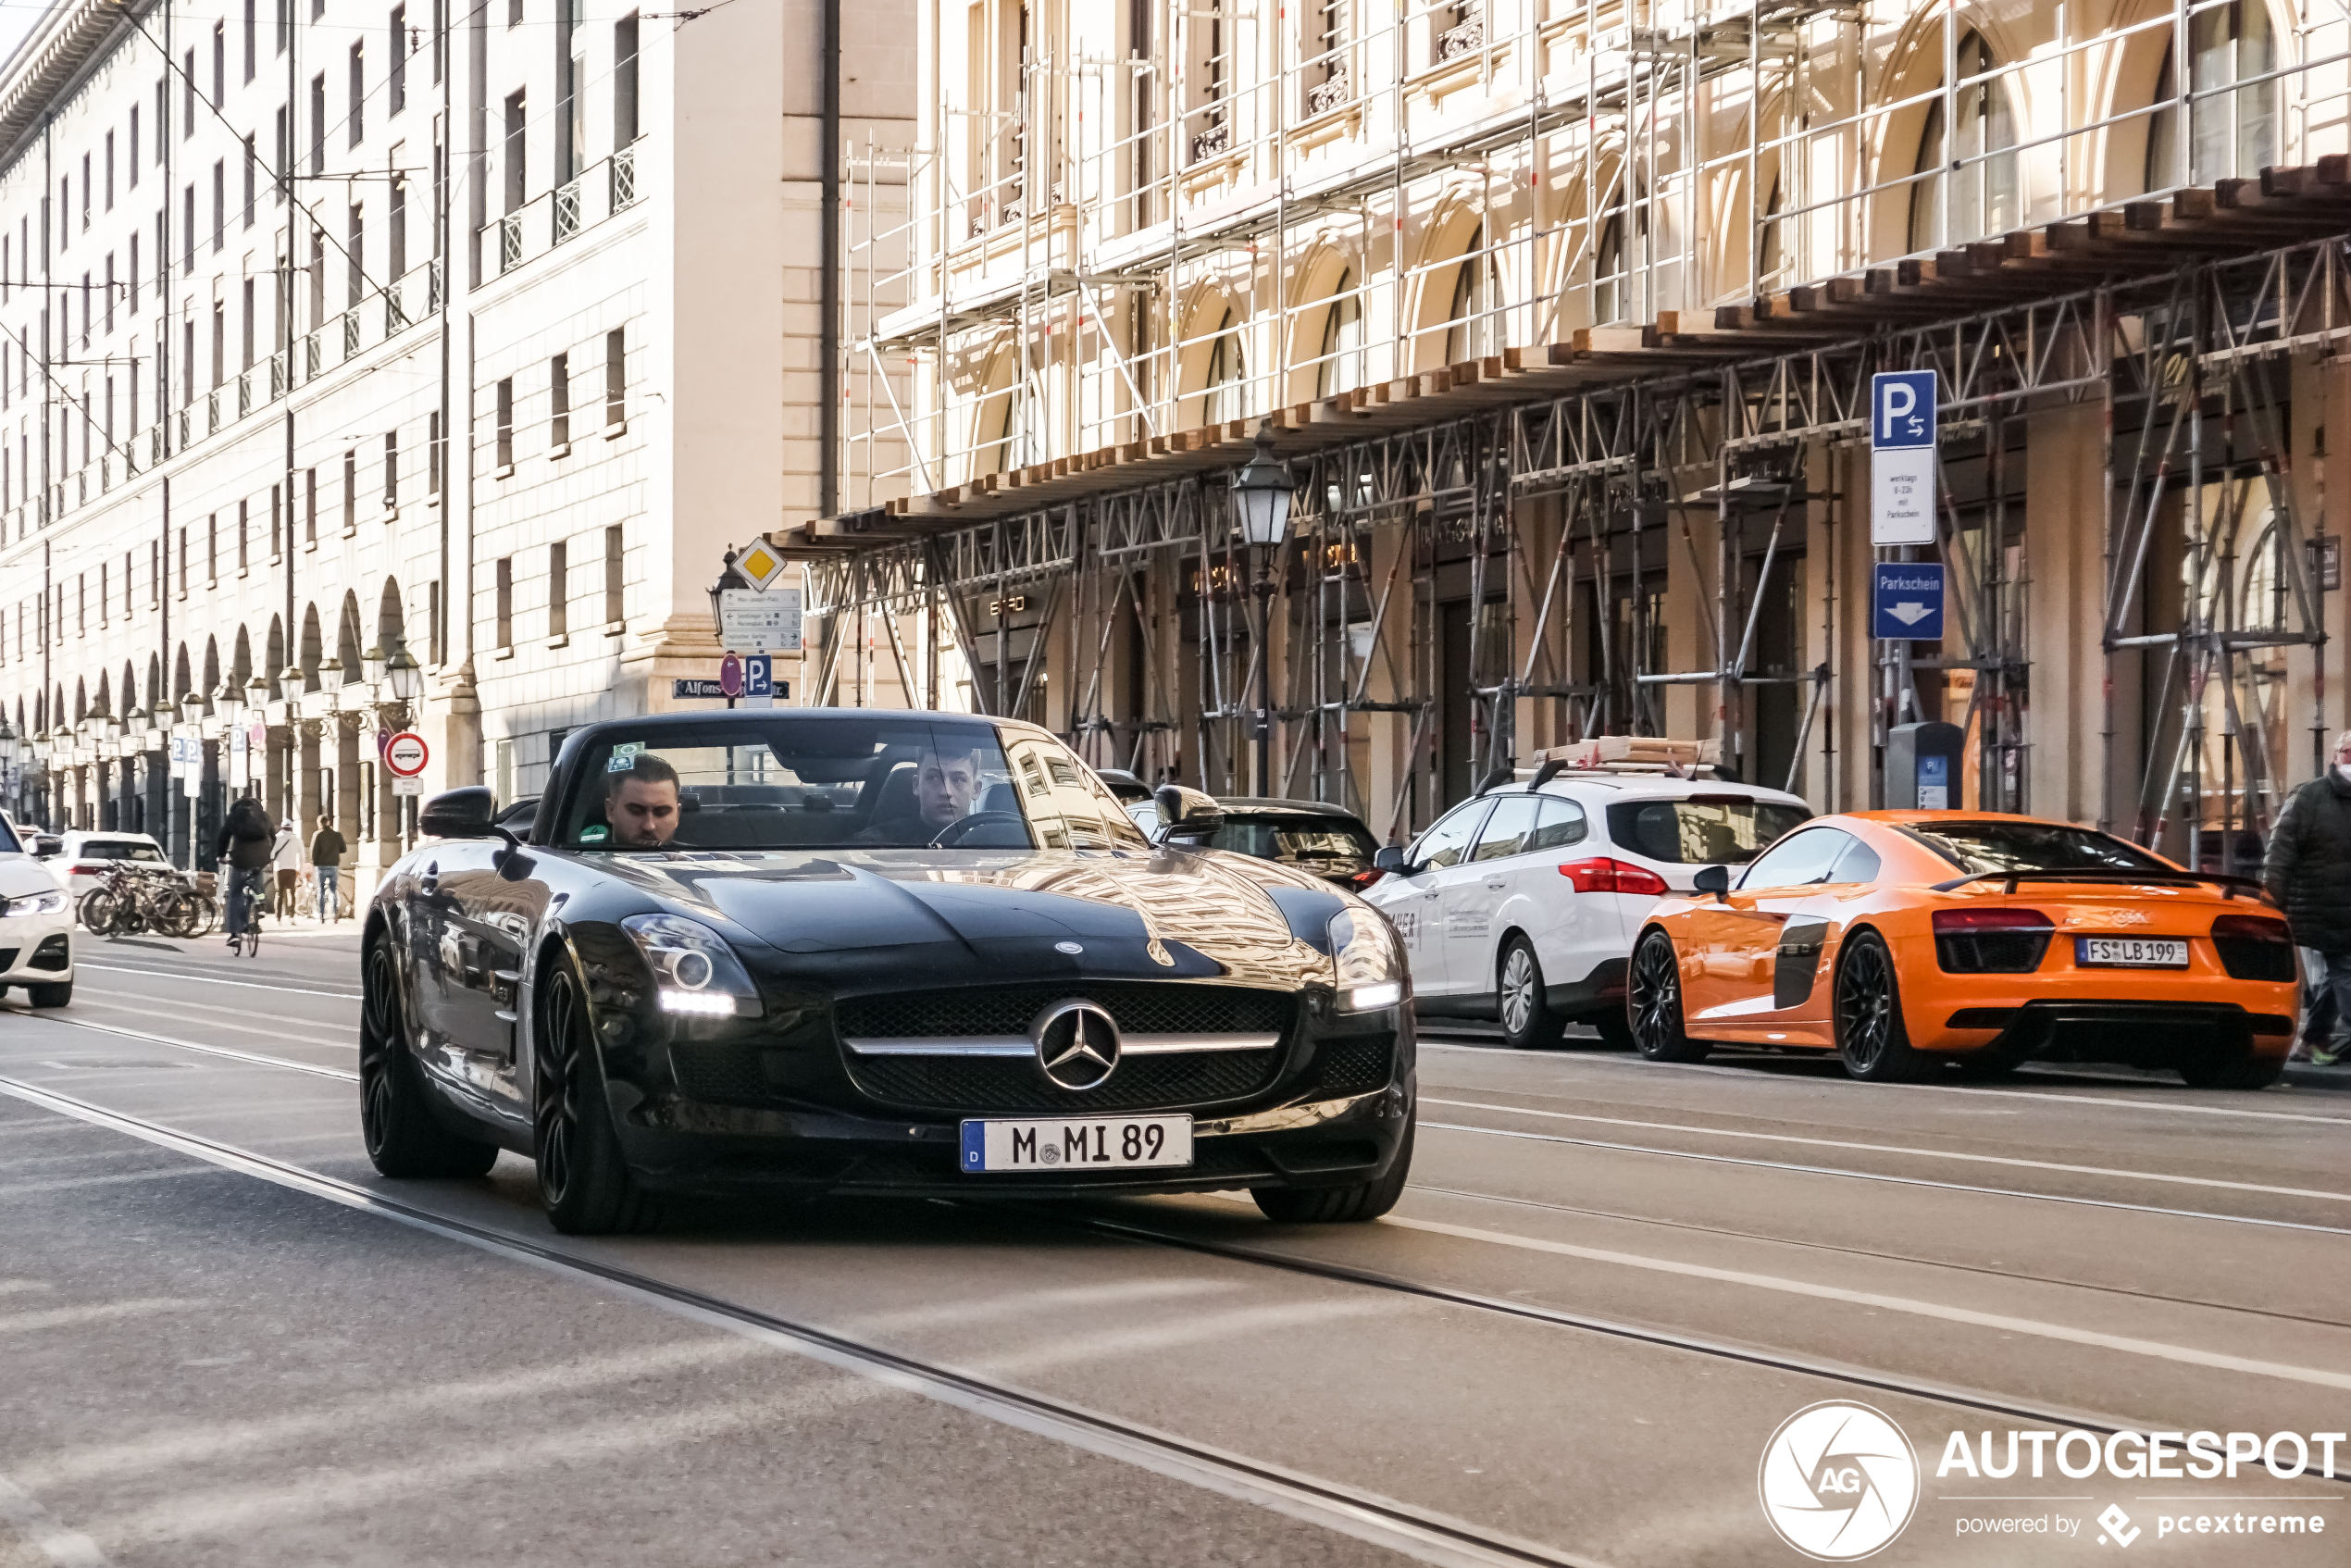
x=640, y=802
x=945, y=786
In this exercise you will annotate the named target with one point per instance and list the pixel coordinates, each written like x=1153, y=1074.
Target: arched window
x=1616, y=257
x=1983, y=191
x=1771, y=246
x=1473, y=332
x=1227, y=396
x=2235, y=132
x=1341, y=365
x=1020, y=444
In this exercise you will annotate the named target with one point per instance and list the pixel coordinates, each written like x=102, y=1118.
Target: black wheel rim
x=380, y=1036
x=1865, y=1007
x=1518, y=990
x=557, y=1090
x=1657, y=996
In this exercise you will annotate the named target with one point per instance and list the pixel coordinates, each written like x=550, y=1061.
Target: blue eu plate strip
x=975, y=1145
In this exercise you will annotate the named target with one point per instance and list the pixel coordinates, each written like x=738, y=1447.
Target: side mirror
x=1186, y=811
x=47, y=844
x=459, y=814
x=1714, y=880
x=1389, y=857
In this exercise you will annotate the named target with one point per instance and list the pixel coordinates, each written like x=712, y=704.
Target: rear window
x=1295, y=838
x=117, y=848
x=1701, y=830
x=1980, y=847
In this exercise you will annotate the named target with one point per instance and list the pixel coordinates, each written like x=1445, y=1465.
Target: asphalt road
x=225, y=1341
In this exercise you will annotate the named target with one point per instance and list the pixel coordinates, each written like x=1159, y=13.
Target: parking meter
x=1923, y=766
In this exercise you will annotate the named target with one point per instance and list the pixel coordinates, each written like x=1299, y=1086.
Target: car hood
x=21, y=874
x=947, y=917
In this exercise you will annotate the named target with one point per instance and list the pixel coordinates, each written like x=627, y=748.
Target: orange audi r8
x=1909, y=941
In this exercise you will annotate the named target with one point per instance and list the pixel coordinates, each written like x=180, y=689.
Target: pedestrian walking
x=244, y=848
x=285, y=856
x=325, y=862
x=2308, y=872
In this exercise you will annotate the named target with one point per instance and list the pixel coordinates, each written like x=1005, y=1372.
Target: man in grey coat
x=2307, y=871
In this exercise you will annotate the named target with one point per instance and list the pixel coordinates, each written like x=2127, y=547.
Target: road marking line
x=2149, y=1347
x=242, y=1027
x=1897, y=1148
x=67, y=1549
x=115, y=1178
x=1892, y=1180
x=2051, y=1098
x=95, y=1312
x=211, y=980
x=245, y=1056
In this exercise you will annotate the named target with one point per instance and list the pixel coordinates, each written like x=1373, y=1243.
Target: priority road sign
x=1903, y=435
x=406, y=753
x=760, y=564
x=1906, y=602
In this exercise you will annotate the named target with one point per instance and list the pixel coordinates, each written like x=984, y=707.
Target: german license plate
x=2132, y=952
x=1073, y=1143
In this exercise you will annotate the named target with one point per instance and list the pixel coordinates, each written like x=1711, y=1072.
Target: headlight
x=51, y=903
x=694, y=971
x=1366, y=967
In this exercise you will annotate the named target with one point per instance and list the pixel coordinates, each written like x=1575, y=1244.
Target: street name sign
x=1902, y=457
x=695, y=689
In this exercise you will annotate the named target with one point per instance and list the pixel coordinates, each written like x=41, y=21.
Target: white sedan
x=36, y=925
x=1521, y=905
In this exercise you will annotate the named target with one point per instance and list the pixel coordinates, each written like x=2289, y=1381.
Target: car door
x=1472, y=895
x=500, y=901
x=1739, y=935
x=1809, y=918
x=1574, y=933
x=1409, y=897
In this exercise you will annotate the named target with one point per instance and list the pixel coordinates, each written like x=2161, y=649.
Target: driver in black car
x=640, y=802
x=946, y=783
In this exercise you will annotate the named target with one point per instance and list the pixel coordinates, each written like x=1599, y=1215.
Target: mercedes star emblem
x=1076, y=1044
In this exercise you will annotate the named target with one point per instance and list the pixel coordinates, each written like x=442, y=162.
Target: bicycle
x=307, y=898
x=126, y=902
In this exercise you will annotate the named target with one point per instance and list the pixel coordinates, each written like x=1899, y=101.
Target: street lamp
x=371, y=665
x=406, y=676
x=1261, y=510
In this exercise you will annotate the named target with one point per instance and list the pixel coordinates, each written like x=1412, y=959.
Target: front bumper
x=37, y=950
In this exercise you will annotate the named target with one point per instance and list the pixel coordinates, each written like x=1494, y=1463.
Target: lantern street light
x=406, y=676
x=371, y=665
x=1261, y=510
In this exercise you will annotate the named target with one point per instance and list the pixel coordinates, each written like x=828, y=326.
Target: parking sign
x=1903, y=435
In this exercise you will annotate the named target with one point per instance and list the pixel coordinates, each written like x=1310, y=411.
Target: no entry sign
x=406, y=753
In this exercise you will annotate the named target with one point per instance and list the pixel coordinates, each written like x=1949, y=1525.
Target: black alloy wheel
x=583, y=1180
x=404, y=1139
x=1653, y=1004
x=1616, y=1029
x=1528, y=1023
x=2232, y=1066
x=1870, y=1038
x=1341, y=1205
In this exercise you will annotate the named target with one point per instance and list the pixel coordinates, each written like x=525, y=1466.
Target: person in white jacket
x=285, y=860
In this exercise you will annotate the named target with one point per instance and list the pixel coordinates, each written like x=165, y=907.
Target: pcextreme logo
x=1838, y=1481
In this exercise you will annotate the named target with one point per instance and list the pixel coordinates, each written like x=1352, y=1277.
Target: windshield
x=117, y=848
x=781, y=783
x=1295, y=838
x=1702, y=829
x=9, y=844
x=1980, y=847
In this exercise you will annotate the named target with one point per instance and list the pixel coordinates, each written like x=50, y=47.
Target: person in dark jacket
x=2307, y=871
x=244, y=848
x=326, y=862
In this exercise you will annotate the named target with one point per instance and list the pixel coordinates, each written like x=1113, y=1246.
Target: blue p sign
x=1901, y=409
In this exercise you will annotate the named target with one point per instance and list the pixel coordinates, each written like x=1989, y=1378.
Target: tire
x=583, y=1180
x=1528, y=1023
x=175, y=913
x=1616, y=1029
x=2231, y=1069
x=57, y=995
x=1653, y=1004
x=1341, y=1205
x=1985, y=1066
x=99, y=912
x=1870, y=1038
x=396, y=1121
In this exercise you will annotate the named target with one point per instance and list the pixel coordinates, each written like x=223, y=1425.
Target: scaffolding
x=1611, y=471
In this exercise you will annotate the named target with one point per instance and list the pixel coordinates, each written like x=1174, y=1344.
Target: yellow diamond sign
x=759, y=563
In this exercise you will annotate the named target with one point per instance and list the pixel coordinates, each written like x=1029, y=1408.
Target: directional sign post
x=1906, y=602
x=1902, y=457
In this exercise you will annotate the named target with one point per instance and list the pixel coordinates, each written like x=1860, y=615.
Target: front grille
x=722, y=1073
x=1013, y=1083
x=1353, y=1066
x=1140, y=1010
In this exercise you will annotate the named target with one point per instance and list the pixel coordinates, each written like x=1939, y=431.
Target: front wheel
x=1653, y=1004
x=1528, y=1023
x=396, y=1121
x=57, y=995
x=175, y=913
x=99, y=911
x=583, y=1181
x=1871, y=1038
x=1341, y=1205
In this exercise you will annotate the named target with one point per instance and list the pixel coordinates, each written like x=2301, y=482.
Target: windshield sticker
x=592, y=834
x=624, y=757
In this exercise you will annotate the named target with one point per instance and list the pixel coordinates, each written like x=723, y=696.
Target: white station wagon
x=1521, y=905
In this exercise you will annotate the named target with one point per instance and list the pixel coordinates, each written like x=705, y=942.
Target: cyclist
x=244, y=848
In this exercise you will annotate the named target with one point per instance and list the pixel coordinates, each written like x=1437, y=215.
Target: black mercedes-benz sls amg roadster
x=807, y=950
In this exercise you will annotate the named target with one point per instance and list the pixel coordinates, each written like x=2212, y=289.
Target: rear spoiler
x=2228, y=884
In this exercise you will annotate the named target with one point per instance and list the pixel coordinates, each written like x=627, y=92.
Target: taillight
x=1990, y=941
x=2253, y=947
x=1604, y=875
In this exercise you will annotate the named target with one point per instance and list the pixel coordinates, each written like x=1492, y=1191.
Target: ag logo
x=1838, y=1481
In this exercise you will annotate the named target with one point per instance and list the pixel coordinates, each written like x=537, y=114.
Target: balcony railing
x=1466, y=39
x=1330, y=93
x=562, y=214
x=510, y=241
x=350, y=332
x=624, y=177
x=567, y=211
